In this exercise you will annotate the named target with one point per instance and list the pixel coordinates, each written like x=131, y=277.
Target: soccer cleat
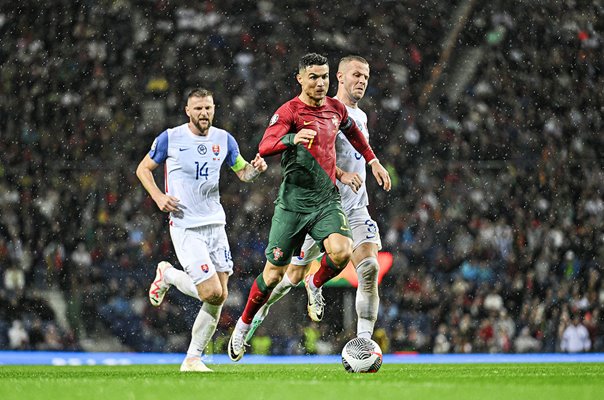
x=159, y=287
x=237, y=342
x=194, y=364
x=316, y=303
x=258, y=318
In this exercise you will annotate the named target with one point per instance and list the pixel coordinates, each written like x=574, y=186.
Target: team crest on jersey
x=216, y=149
x=202, y=149
x=274, y=119
x=204, y=268
x=277, y=253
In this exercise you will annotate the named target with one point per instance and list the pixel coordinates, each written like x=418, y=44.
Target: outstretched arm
x=252, y=169
x=144, y=172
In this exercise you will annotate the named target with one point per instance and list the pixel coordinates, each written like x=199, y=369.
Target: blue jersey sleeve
x=159, y=148
x=232, y=152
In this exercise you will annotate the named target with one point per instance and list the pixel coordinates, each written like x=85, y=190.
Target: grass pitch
x=308, y=382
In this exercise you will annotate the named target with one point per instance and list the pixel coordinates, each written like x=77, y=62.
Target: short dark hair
x=200, y=92
x=311, y=59
x=347, y=59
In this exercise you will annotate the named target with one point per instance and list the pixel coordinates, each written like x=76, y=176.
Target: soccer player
x=193, y=153
x=353, y=75
x=308, y=201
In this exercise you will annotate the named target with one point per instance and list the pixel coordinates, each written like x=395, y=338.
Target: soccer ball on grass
x=362, y=355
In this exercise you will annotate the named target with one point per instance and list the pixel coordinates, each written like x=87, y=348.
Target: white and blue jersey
x=349, y=160
x=192, y=172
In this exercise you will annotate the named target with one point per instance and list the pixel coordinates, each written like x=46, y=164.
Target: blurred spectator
x=526, y=343
x=575, y=338
x=18, y=336
x=496, y=218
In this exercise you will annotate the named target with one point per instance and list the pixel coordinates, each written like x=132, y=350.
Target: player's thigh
x=192, y=252
x=330, y=220
x=211, y=289
x=219, y=249
x=223, y=277
x=364, y=228
x=286, y=235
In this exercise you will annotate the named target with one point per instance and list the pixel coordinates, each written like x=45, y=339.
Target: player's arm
x=248, y=171
x=244, y=170
x=351, y=179
x=277, y=137
x=358, y=141
x=144, y=172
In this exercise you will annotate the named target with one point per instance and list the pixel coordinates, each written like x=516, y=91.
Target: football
x=362, y=355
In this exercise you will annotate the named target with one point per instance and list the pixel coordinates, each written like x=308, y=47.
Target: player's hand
x=351, y=179
x=304, y=136
x=259, y=164
x=381, y=175
x=167, y=203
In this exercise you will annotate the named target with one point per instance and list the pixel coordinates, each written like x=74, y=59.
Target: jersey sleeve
x=355, y=136
x=277, y=136
x=159, y=148
x=233, y=157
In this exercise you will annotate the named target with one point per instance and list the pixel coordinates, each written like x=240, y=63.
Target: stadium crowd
x=495, y=220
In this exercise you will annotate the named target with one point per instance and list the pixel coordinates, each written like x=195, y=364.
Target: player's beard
x=204, y=131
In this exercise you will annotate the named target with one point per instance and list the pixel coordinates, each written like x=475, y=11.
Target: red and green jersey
x=309, y=170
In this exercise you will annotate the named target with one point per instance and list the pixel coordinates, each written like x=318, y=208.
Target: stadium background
x=487, y=114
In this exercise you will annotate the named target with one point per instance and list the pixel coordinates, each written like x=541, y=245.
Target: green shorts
x=289, y=228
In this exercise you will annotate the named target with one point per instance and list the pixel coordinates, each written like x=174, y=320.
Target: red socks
x=327, y=271
x=259, y=294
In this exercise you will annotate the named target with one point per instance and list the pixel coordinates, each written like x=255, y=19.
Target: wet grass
x=312, y=382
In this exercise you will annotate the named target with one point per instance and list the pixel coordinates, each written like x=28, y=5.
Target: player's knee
x=367, y=273
x=215, y=295
x=223, y=296
x=340, y=255
x=273, y=276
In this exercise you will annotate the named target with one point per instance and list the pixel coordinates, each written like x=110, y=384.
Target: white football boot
x=237, y=342
x=159, y=287
x=316, y=303
x=194, y=364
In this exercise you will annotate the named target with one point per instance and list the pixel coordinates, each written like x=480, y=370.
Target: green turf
x=309, y=382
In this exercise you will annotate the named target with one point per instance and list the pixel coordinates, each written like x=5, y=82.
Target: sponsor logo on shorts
x=205, y=268
x=277, y=253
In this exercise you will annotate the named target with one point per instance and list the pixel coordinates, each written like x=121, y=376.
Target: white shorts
x=364, y=230
x=202, y=251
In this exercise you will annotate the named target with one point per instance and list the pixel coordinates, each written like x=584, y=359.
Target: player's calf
x=367, y=297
